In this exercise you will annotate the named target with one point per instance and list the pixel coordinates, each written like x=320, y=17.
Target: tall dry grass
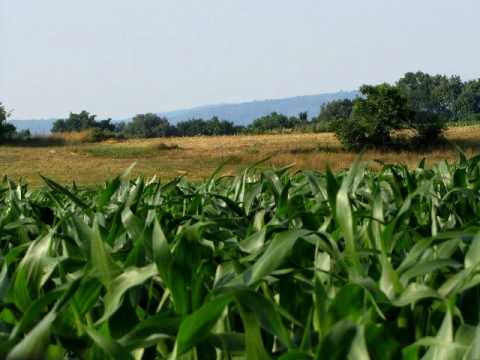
x=61, y=139
x=76, y=137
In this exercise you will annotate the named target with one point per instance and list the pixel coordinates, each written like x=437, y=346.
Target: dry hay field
x=197, y=157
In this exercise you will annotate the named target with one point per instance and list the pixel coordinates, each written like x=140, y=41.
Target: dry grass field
x=197, y=157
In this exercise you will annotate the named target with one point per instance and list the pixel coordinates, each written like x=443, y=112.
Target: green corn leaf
x=267, y=314
x=121, y=284
x=279, y=249
x=34, y=344
x=337, y=343
x=62, y=190
x=196, y=326
x=345, y=217
x=110, y=347
x=101, y=260
x=161, y=252
x=255, y=348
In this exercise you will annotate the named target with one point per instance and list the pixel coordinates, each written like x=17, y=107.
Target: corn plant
x=270, y=264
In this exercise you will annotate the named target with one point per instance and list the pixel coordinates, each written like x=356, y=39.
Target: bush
x=212, y=127
x=467, y=120
x=23, y=135
x=275, y=122
x=7, y=131
x=97, y=135
x=429, y=126
x=332, y=115
x=351, y=133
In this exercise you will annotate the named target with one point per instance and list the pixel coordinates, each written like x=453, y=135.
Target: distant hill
x=245, y=113
x=240, y=114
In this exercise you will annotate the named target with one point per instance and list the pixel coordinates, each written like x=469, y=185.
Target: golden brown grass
x=197, y=157
x=59, y=139
x=75, y=137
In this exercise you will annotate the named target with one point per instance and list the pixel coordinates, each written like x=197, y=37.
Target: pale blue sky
x=117, y=57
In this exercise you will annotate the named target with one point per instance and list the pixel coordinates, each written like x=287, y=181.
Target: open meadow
x=197, y=157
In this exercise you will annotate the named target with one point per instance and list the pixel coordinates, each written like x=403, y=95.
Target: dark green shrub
x=351, y=133
x=101, y=134
x=211, y=127
x=275, y=122
x=429, y=126
x=75, y=122
x=148, y=126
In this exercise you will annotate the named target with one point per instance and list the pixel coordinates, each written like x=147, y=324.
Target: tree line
x=419, y=101
x=148, y=125
x=152, y=125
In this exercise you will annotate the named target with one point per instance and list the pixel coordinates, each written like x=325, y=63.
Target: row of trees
x=152, y=125
x=145, y=126
x=82, y=121
x=276, y=121
x=448, y=97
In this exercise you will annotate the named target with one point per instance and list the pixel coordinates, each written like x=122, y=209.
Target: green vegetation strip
x=265, y=265
x=126, y=152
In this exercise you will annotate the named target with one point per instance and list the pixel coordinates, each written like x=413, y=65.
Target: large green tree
x=432, y=94
x=380, y=110
x=148, y=126
x=446, y=93
x=468, y=103
x=75, y=122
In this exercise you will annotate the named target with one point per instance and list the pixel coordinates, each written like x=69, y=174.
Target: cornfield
x=270, y=264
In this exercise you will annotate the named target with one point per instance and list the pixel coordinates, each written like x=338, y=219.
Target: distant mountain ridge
x=244, y=113
x=241, y=113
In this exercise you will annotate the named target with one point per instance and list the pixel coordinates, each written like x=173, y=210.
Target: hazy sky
x=117, y=58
